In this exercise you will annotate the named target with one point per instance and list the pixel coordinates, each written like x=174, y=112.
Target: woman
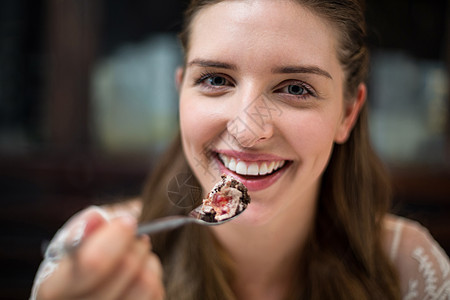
x=273, y=93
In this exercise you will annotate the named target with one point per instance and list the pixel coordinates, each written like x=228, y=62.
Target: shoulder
x=422, y=265
x=404, y=234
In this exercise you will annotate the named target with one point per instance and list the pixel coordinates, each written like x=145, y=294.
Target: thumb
x=83, y=224
x=93, y=218
x=75, y=230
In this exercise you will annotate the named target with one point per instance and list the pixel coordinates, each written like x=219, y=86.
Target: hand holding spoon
x=227, y=200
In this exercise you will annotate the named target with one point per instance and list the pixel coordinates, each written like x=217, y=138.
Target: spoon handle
x=162, y=224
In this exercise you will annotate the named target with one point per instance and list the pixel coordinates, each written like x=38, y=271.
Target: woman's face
x=261, y=98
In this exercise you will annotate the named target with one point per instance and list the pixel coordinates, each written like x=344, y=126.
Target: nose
x=253, y=122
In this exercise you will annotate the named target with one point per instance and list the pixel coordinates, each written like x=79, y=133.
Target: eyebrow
x=279, y=70
x=302, y=69
x=212, y=64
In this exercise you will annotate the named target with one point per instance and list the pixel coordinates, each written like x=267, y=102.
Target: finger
x=87, y=267
x=154, y=265
x=127, y=271
x=86, y=225
x=103, y=251
x=69, y=238
x=95, y=219
x=149, y=284
x=76, y=229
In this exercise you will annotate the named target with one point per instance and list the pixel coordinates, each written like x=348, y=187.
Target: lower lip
x=254, y=184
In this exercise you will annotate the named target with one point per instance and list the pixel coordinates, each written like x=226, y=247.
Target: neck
x=267, y=256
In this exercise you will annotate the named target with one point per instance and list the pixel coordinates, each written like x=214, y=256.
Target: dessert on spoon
x=228, y=199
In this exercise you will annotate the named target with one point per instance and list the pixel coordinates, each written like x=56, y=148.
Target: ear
x=179, y=73
x=351, y=113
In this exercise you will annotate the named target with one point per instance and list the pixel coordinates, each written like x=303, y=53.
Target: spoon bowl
x=172, y=222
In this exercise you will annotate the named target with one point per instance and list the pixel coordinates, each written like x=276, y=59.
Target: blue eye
x=295, y=89
x=214, y=83
x=217, y=80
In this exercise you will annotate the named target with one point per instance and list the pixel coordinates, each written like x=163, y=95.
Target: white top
x=423, y=266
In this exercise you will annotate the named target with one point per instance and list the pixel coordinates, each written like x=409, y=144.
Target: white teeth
x=232, y=165
x=277, y=164
x=241, y=168
x=263, y=169
x=253, y=168
x=224, y=158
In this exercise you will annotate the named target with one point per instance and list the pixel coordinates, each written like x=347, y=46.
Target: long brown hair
x=343, y=258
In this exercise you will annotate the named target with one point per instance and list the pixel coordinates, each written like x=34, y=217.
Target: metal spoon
x=172, y=222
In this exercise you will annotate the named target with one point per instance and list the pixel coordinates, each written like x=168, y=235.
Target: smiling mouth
x=251, y=168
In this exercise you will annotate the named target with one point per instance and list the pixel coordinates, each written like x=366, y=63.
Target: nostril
x=247, y=136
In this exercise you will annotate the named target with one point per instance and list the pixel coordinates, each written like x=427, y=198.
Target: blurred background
x=88, y=102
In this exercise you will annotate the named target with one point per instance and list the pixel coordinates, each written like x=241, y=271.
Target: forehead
x=255, y=30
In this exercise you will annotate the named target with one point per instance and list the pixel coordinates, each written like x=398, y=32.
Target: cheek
x=200, y=126
x=310, y=133
x=199, y=123
x=191, y=127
